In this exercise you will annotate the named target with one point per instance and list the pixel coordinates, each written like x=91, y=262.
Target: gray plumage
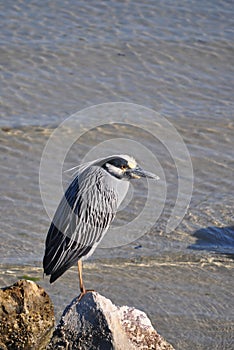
x=86, y=211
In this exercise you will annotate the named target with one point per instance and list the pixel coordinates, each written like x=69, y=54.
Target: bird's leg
x=83, y=291
x=82, y=287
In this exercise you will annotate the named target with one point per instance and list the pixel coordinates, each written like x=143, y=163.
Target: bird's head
x=125, y=167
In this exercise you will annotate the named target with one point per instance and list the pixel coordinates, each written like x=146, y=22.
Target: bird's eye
x=123, y=167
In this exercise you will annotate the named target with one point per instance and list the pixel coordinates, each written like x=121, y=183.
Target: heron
x=86, y=211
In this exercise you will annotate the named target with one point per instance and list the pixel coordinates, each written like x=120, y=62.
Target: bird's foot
x=83, y=292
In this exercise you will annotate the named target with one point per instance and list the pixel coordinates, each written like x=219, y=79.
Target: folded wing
x=80, y=222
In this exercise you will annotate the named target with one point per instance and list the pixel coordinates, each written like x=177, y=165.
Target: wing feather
x=81, y=220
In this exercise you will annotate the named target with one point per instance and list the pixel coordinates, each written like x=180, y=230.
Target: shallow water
x=175, y=58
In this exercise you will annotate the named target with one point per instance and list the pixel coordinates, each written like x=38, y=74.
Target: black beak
x=138, y=173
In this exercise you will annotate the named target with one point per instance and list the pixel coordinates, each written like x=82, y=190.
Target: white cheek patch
x=113, y=169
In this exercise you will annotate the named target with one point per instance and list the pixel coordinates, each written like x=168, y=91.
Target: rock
x=94, y=322
x=26, y=317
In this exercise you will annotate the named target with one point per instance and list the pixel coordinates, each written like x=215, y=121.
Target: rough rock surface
x=93, y=322
x=26, y=316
